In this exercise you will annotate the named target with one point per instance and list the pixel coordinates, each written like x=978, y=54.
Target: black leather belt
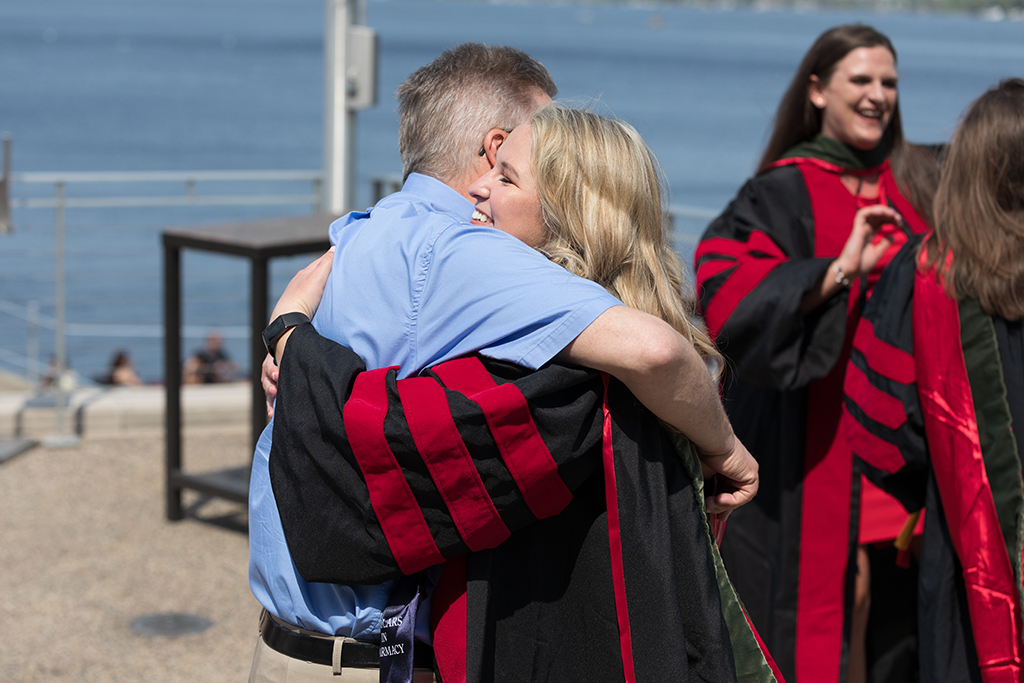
x=356, y=654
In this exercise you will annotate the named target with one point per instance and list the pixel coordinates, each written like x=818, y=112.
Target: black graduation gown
x=789, y=553
x=589, y=551
x=933, y=391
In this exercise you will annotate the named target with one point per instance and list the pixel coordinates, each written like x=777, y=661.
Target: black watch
x=279, y=326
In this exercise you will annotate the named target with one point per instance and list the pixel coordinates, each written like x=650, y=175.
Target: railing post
x=318, y=192
x=338, y=118
x=32, y=350
x=62, y=438
x=350, y=83
x=5, y=189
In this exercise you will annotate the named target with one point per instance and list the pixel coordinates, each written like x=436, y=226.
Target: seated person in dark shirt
x=210, y=364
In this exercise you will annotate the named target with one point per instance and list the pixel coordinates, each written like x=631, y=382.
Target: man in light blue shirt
x=413, y=283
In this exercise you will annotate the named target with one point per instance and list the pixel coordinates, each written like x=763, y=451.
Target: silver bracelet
x=840, y=279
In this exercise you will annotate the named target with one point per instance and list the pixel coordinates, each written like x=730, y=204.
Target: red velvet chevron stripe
x=882, y=357
x=520, y=444
x=753, y=260
x=883, y=408
x=450, y=464
x=869, y=448
x=392, y=499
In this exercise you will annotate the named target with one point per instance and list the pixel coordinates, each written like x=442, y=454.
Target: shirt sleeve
x=882, y=414
x=753, y=266
x=483, y=290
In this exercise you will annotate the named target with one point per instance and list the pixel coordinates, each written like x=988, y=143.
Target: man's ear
x=492, y=141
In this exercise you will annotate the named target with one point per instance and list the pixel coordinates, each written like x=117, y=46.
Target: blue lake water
x=115, y=85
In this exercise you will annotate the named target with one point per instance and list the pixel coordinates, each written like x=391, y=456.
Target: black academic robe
x=933, y=391
x=789, y=553
x=573, y=536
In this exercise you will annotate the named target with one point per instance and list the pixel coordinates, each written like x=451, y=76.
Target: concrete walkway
x=85, y=548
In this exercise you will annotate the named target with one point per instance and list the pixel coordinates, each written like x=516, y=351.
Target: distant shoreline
x=988, y=10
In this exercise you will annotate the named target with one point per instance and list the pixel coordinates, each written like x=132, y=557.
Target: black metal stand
x=259, y=241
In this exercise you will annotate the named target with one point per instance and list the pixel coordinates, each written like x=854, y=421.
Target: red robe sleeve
x=430, y=467
x=753, y=265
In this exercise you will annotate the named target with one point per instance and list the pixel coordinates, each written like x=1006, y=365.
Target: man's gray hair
x=447, y=106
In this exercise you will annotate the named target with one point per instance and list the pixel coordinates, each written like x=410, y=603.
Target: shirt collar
x=440, y=195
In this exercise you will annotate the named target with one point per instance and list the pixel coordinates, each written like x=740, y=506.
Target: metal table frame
x=259, y=241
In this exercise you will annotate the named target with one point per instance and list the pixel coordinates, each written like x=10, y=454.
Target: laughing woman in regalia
x=783, y=274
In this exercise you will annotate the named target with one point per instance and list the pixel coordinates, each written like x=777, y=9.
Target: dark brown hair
x=797, y=120
x=917, y=169
x=979, y=205
x=447, y=106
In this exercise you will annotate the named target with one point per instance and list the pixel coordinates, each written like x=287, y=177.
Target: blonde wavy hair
x=601, y=193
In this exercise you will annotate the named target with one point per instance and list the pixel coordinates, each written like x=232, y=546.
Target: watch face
x=271, y=333
x=277, y=327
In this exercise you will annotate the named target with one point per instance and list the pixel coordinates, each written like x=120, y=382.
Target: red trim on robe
x=874, y=451
x=882, y=357
x=713, y=267
x=883, y=408
x=448, y=618
x=522, y=449
x=954, y=446
x=615, y=541
x=754, y=259
x=764, y=649
x=451, y=466
x=397, y=510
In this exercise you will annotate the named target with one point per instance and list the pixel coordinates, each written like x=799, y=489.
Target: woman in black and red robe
x=783, y=274
x=935, y=397
x=571, y=525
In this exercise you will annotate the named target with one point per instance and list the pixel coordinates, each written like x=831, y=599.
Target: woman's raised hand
x=866, y=244
x=861, y=253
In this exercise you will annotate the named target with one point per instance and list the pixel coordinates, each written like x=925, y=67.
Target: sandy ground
x=85, y=549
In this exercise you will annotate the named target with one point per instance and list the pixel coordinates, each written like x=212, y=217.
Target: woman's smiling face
x=506, y=196
x=858, y=101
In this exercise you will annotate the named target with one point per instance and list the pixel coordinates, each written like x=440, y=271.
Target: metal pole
x=257, y=351
x=5, y=189
x=62, y=438
x=318, y=192
x=172, y=379
x=33, y=344
x=339, y=121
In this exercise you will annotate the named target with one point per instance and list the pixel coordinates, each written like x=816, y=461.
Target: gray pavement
x=85, y=550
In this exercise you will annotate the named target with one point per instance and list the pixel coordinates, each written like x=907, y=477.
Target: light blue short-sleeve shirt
x=413, y=284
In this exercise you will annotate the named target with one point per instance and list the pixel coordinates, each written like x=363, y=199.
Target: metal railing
x=60, y=202
x=188, y=179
